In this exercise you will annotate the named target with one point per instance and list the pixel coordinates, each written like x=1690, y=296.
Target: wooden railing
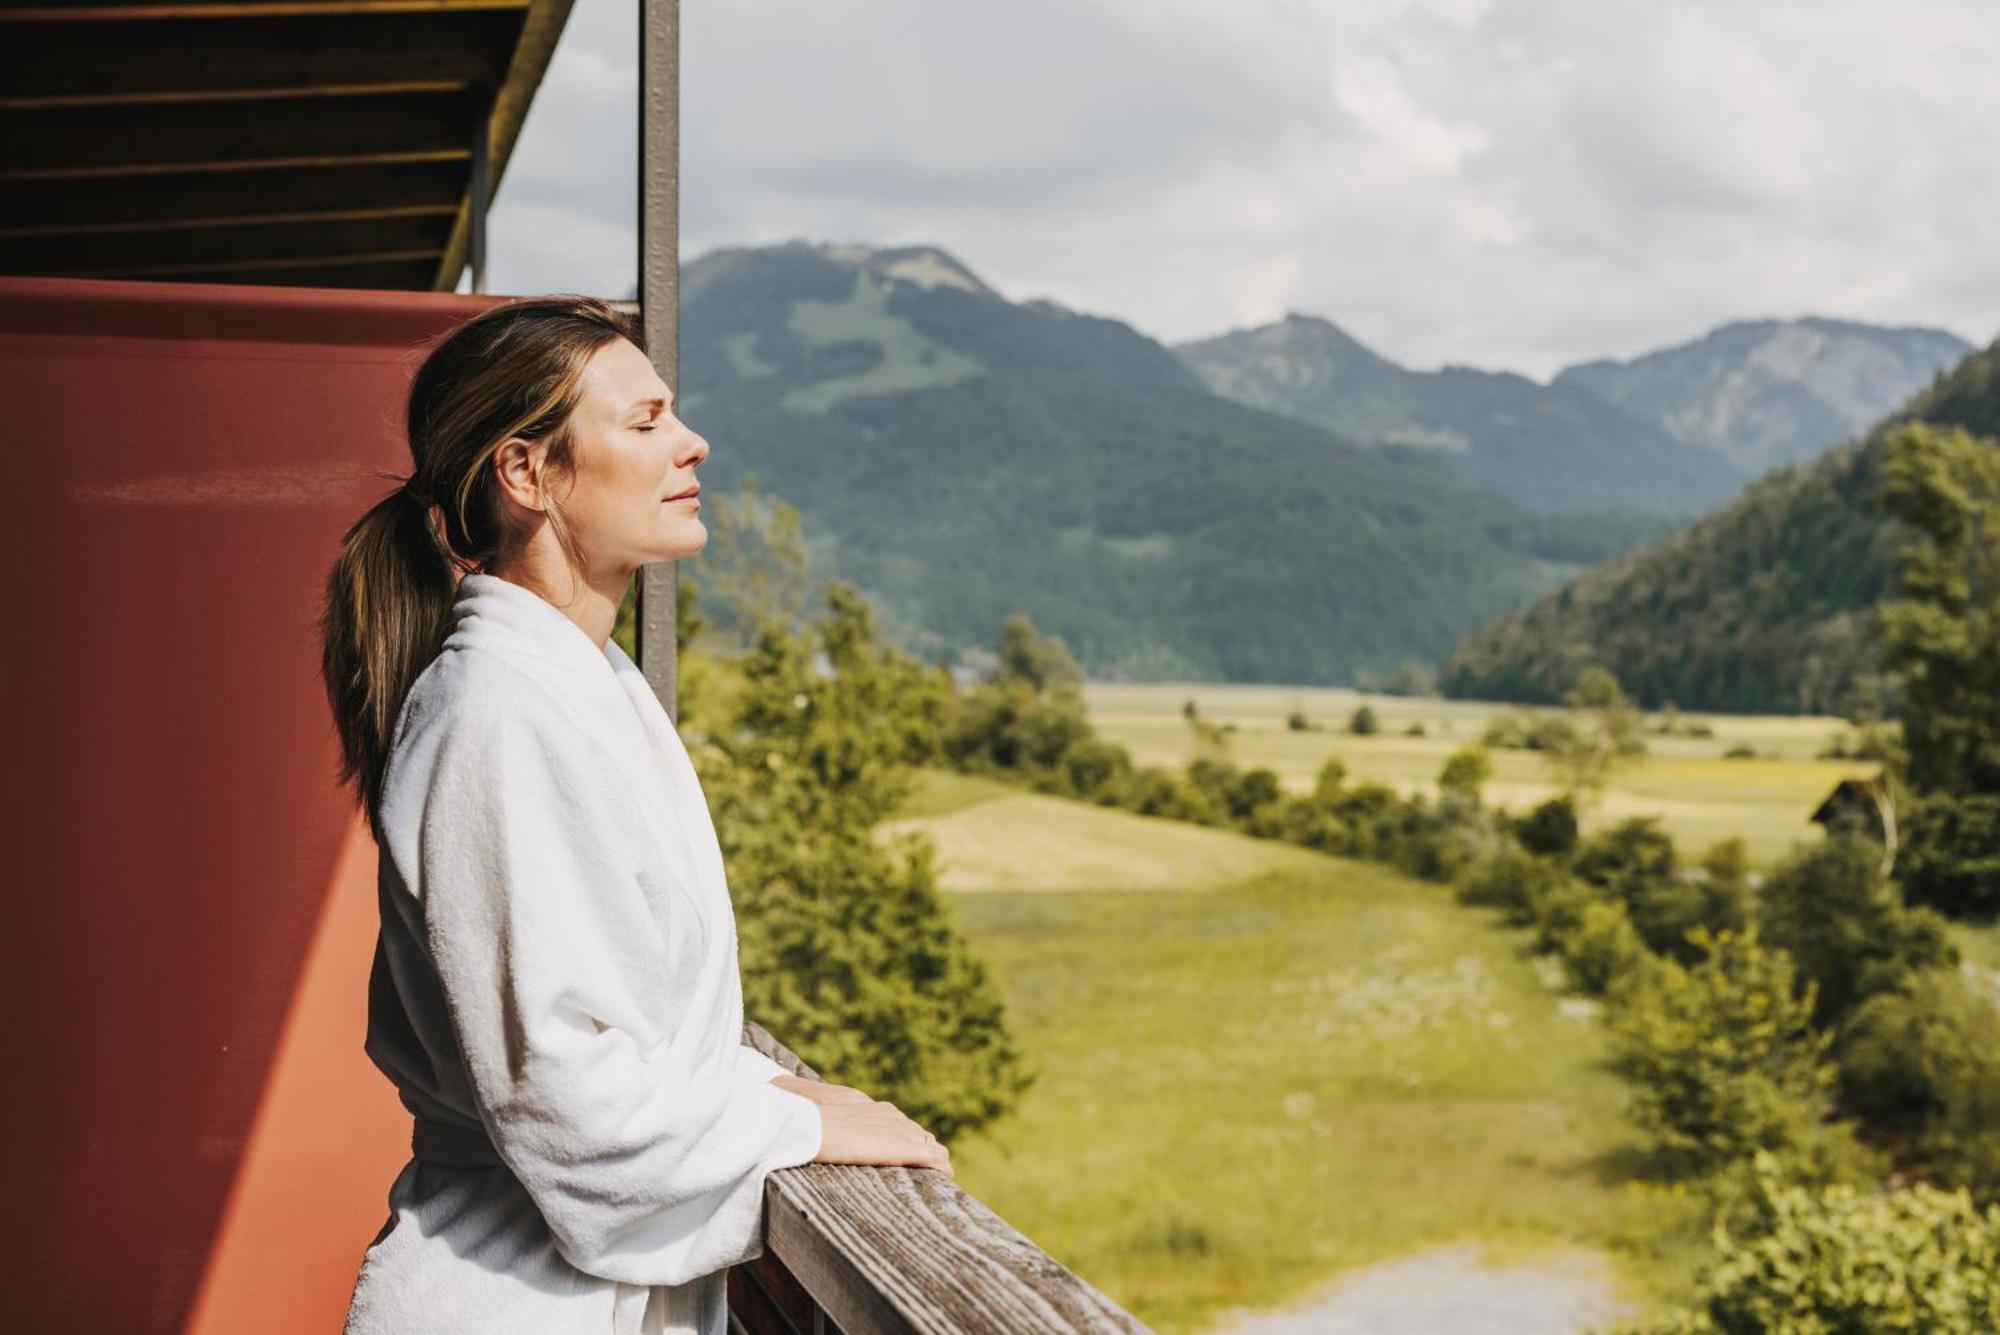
x=855, y=1249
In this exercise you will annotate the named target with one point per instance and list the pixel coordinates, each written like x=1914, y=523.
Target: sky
x=1508, y=184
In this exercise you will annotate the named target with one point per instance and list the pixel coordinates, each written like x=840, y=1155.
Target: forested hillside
x=1768, y=604
x=961, y=457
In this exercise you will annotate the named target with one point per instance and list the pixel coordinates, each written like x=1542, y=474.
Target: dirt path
x=1450, y=1291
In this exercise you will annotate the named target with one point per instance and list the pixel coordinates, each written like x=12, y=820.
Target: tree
x=1723, y=1056
x=752, y=571
x=1846, y=927
x=1028, y=714
x=1466, y=771
x=849, y=951
x=1941, y=635
x=1601, y=734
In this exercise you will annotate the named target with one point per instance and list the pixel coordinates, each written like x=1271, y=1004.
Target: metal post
x=659, y=293
x=481, y=193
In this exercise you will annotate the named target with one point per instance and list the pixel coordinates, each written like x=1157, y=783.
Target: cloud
x=1508, y=183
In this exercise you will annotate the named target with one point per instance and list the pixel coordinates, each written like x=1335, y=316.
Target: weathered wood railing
x=853, y=1249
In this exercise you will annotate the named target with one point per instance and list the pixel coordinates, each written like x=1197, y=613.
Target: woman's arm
x=556, y=972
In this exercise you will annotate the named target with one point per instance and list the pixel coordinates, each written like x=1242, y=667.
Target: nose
x=694, y=450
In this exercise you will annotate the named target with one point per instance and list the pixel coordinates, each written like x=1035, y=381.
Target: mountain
x=1766, y=605
x=1546, y=447
x=1769, y=392
x=959, y=457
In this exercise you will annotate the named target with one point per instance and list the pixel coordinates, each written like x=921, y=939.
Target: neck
x=589, y=598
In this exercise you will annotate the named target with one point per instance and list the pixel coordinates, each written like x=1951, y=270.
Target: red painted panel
x=195, y=1137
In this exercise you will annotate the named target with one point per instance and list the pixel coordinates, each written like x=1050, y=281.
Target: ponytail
x=388, y=607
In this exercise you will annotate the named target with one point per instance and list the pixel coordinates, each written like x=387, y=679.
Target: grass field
x=1698, y=794
x=1259, y=1066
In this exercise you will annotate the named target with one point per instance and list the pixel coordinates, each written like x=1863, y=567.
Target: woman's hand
x=820, y=1091
x=857, y=1129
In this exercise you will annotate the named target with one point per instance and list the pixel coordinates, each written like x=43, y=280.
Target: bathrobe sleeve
x=756, y=1065
x=565, y=1000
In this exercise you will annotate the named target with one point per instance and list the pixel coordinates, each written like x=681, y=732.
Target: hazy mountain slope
x=1767, y=604
x=1770, y=392
x=1548, y=448
x=960, y=456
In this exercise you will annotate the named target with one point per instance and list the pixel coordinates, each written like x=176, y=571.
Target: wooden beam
x=207, y=248
x=51, y=62
x=389, y=275
x=233, y=165
x=206, y=198
x=271, y=265
x=119, y=140
x=90, y=11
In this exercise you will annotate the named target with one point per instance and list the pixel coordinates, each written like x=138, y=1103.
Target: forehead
x=619, y=375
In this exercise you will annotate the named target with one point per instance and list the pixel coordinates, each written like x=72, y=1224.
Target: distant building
x=1861, y=804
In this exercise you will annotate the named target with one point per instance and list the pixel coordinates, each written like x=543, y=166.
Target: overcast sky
x=1511, y=184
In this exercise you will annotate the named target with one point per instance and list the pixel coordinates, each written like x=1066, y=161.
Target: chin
x=689, y=541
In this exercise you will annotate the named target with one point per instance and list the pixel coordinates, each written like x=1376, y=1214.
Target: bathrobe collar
x=612, y=698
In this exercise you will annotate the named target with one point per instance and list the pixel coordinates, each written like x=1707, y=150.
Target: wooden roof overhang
x=313, y=143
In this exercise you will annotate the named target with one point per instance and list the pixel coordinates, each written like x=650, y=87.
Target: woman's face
x=632, y=501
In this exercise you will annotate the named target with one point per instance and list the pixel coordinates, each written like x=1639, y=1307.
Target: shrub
x=1634, y=862
x=1096, y=769
x=1510, y=880
x=1550, y=829
x=1723, y=1057
x=1951, y=853
x=1466, y=771
x=1149, y=790
x=1362, y=722
x=1602, y=948
x=1845, y=925
x=1328, y=785
x=1835, y=1259
x=1924, y=1063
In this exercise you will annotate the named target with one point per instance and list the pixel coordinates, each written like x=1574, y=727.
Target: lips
x=687, y=495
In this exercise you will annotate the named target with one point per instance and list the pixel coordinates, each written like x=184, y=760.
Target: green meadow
x=1698, y=794
x=1260, y=1065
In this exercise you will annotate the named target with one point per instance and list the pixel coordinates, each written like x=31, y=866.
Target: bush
x=1150, y=790
x=1309, y=824
x=1923, y=1062
x=1602, y=949
x=1723, y=1056
x=1950, y=857
x=1510, y=880
x=1634, y=862
x=1096, y=769
x=1550, y=829
x=1362, y=722
x=1328, y=786
x=1837, y=1260
x=1466, y=771
x=1845, y=925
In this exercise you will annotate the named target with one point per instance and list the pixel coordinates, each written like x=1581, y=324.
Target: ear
x=517, y=468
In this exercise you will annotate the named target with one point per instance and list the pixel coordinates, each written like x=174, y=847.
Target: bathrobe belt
x=452, y=1146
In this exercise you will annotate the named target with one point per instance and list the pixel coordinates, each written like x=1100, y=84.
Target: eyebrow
x=656, y=403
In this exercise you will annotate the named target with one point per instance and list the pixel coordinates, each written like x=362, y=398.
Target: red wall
x=196, y=1140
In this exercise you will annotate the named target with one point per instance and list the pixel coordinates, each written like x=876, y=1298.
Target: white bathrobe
x=556, y=996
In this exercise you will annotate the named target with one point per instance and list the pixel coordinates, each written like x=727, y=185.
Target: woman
x=556, y=993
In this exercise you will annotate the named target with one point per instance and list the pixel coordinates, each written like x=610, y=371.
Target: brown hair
x=512, y=370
